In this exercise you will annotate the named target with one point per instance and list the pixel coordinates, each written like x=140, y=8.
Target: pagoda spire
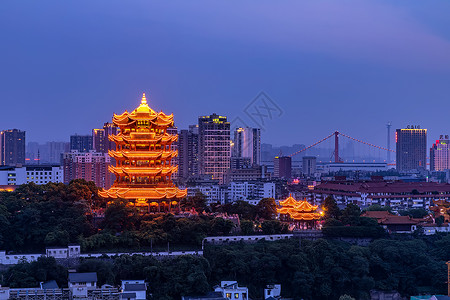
x=144, y=100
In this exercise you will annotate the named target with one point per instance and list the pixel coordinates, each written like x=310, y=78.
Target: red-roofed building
x=397, y=194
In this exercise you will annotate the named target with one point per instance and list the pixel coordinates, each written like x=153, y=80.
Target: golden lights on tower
x=143, y=158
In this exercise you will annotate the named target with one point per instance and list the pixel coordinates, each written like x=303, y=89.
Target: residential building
x=12, y=147
x=134, y=289
x=396, y=194
x=440, y=154
x=254, y=173
x=91, y=166
x=214, y=193
x=411, y=146
x=309, y=165
x=48, y=153
x=188, y=153
x=214, y=145
x=38, y=174
x=282, y=166
x=252, y=192
x=81, y=143
x=231, y=290
x=99, y=140
x=247, y=144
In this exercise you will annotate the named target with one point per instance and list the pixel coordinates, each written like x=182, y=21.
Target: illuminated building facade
x=440, y=154
x=143, y=158
x=214, y=146
x=411, y=146
x=12, y=147
x=247, y=144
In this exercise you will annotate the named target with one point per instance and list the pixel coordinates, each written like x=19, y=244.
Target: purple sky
x=66, y=66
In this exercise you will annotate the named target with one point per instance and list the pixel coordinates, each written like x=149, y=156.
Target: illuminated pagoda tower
x=143, y=158
x=302, y=213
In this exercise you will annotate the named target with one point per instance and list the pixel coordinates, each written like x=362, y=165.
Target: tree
x=331, y=210
x=266, y=208
x=377, y=207
x=119, y=216
x=350, y=215
x=247, y=227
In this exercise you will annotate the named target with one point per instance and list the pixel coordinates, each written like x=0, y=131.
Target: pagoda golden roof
x=143, y=112
x=298, y=210
x=143, y=154
x=154, y=171
x=143, y=193
x=149, y=138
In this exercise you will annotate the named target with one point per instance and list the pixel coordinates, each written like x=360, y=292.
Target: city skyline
x=349, y=68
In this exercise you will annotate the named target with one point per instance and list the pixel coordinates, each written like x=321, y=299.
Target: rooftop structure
x=143, y=158
x=298, y=210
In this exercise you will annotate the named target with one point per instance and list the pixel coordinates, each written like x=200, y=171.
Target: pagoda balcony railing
x=142, y=185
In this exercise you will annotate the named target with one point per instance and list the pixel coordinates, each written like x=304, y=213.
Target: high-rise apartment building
x=440, y=154
x=91, y=166
x=81, y=143
x=411, y=146
x=188, y=153
x=214, y=145
x=12, y=147
x=309, y=165
x=282, y=166
x=247, y=143
x=100, y=140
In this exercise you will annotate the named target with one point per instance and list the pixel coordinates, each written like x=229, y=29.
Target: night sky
x=66, y=66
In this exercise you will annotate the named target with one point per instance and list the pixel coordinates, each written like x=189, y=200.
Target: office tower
x=110, y=129
x=440, y=154
x=411, y=145
x=214, y=145
x=247, y=143
x=81, y=143
x=90, y=166
x=282, y=166
x=309, y=165
x=99, y=140
x=12, y=147
x=188, y=153
x=143, y=157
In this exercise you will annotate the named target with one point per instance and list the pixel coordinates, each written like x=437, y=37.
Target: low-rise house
x=393, y=223
x=134, y=290
x=231, y=290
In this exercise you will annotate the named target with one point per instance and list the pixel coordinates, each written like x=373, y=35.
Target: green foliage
x=266, y=208
x=331, y=209
x=274, y=227
x=197, y=202
x=416, y=213
x=247, y=227
x=377, y=207
x=242, y=208
x=31, y=274
x=53, y=214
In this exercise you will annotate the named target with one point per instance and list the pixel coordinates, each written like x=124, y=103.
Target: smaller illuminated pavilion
x=301, y=211
x=143, y=158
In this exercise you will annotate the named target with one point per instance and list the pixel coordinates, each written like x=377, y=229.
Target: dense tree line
x=321, y=269
x=35, y=216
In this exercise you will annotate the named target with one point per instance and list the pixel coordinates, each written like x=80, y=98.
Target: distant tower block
x=144, y=160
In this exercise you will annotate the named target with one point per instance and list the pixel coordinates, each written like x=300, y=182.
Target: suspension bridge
x=335, y=155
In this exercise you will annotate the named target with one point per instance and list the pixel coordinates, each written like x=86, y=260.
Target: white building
x=368, y=167
x=134, y=289
x=231, y=290
x=39, y=174
x=272, y=291
x=251, y=191
x=214, y=193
